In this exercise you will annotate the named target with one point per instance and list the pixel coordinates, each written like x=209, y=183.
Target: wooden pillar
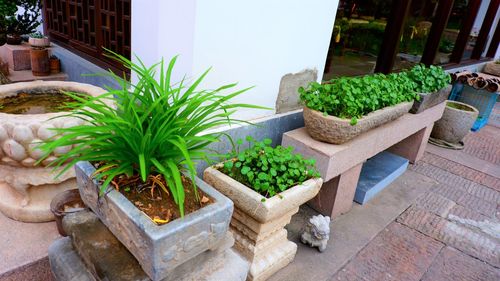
x=495, y=41
x=482, y=38
x=463, y=35
x=438, y=25
x=392, y=35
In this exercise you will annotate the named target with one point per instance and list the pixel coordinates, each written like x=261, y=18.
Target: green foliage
x=428, y=79
x=268, y=170
x=23, y=23
x=148, y=127
x=353, y=97
x=446, y=46
x=37, y=35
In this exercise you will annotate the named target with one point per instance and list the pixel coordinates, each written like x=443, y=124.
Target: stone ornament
x=316, y=232
x=19, y=136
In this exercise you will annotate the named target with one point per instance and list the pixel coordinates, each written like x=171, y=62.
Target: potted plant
x=40, y=65
x=37, y=39
x=135, y=164
x=492, y=67
x=18, y=24
x=456, y=122
x=267, y=186
x=432, y=84
x=341, y=109
x=55, y=64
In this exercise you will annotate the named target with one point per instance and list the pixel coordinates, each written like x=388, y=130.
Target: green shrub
x=155, y=128
x=428, y=79
x=353, y=97
x=268, y=170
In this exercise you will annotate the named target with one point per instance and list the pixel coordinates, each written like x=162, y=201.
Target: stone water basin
x=27, y=112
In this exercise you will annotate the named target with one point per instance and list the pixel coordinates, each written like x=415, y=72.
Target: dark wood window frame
x=86, y=27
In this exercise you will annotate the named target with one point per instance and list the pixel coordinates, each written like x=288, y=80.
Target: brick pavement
x=451, y=232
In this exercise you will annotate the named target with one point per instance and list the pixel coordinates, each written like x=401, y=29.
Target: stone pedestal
x=258, y=223
x=17, y=56
x=37, y=209
x=93, y=253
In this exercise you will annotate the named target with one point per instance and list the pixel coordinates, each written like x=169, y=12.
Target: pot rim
x=152, y=229
x=364, y=117
x=474, y=110
x=13, y=89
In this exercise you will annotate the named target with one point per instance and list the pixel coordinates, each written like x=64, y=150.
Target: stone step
x=24, y=250
x=377, y=173
x=27, y=75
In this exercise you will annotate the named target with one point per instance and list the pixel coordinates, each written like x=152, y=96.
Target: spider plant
x=152, y=126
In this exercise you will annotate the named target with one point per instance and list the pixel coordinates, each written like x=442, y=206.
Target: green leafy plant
x=428, y=79
x=22, y=23
x=268, y=170
x=353, y=97
x=149, y=127
x=37, y=35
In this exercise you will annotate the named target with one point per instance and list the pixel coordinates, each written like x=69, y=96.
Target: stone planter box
x=158, y=249
x=258, y=226
x=455, y=123
x=336, y=130
x=428, y=100
x=26, y=189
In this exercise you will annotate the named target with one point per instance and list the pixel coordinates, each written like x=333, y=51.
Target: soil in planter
x=36, y=103
x=459, y=106
x=155, y=203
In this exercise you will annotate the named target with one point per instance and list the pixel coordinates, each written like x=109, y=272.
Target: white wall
x=254, y=43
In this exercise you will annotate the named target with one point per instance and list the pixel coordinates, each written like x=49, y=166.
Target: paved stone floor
x=439, y=221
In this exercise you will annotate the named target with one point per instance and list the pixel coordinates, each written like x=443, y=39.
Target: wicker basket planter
x=336, y=130
x=258, y=223
x=428, y=100
x=455, y=123
x=158, y=249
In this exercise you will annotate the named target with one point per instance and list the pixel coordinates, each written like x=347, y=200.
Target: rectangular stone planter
x=492, y=68
x=159, y=249
x=258, y=223
x=337, y=130
x=428, y=100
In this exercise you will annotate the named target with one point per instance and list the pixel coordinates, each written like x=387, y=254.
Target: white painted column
x=254, y=42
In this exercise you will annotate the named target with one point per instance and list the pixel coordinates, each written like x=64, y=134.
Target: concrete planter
x=455, y=123
x=428, y=100
x=158, y=249
x=258, y=226
x=26, y=189
x=492, y=68
x=336, y=130
x=39, y=42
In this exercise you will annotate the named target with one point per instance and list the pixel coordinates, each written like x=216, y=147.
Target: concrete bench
x=340, y=165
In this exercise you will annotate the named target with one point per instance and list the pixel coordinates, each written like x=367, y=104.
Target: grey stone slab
x=288, y=95
x=352, y=231
x=65, y=263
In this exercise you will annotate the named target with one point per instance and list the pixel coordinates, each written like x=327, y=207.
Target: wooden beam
x=482, y=38
x=495, y=41
x=463, y=35
x=392, y=35
x=438, y=25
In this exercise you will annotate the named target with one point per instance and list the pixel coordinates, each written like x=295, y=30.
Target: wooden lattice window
x=88, y=26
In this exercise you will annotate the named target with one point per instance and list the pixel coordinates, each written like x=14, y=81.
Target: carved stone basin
x=26, y=189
